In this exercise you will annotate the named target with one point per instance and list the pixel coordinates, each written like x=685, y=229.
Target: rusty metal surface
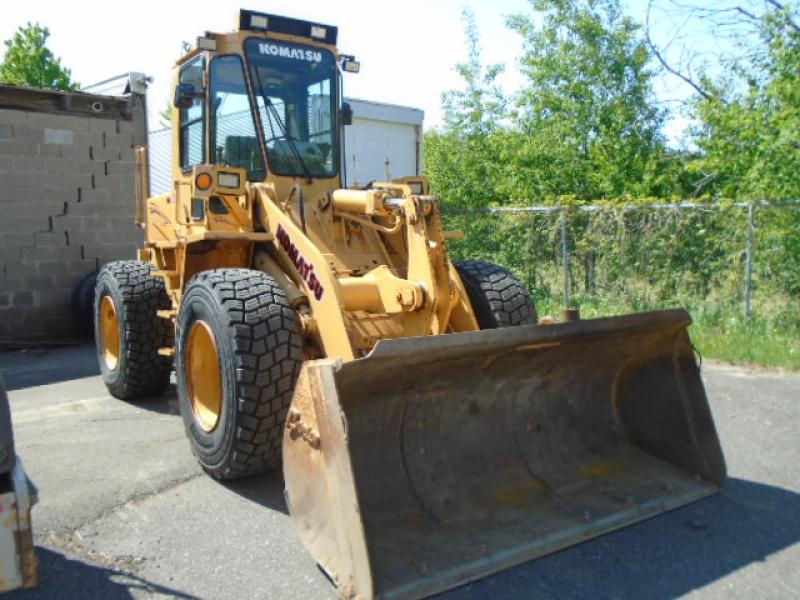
x=443, y=459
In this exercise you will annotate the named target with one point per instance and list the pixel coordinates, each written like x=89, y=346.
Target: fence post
x=565, y=256
x=751, y=250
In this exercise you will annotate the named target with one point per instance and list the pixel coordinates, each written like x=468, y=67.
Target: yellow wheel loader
x=430, y=431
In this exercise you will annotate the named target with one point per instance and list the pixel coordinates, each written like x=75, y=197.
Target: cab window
x=234, y=140
x=192, y=125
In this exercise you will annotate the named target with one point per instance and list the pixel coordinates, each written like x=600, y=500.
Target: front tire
x=497, y=297
x=239, y=353
x=128, y=332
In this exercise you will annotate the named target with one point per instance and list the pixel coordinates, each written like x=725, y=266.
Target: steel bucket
x=436, y=461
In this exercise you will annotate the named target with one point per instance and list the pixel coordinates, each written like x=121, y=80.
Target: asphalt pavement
x=125, y=512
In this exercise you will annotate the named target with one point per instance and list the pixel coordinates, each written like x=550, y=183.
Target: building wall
x=66, y=201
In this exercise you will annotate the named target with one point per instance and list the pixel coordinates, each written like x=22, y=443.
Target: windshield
x=296, y=100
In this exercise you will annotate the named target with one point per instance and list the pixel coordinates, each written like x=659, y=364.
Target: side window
x=192, y=126
x=234, y=138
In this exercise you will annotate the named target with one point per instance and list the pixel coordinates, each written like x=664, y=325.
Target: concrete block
x=102, y=125
x=94, y=196
x=28, y=164
x=5, y=300
x=76, y=123
x=58, y=327
x=33, y=206
x=6, y=163
x=122, y=223
x=65, y=223
x=76, y=152
x=12, y=241
x=89, y=209
x=39, y=282
x=6, y=131
x=52, y=135
x=15, y=178
x=14, y=117
x=51, y=238
x=91, y=139
x=104, y=153
x=107, y=253
x=103, y=237
x=122, y=168
x=119, y=140
x=18, y=148
x=121, y=187
x=22, y=299
x=70, y=268
x=127, y=154
x=88, y=223
x=74, y=166
x=25, y=223
x=64, y=184
x=50, y=150
x=15, y=314
x=50, y=252
x=130, y=127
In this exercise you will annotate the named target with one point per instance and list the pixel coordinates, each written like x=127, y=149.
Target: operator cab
x=272, y=101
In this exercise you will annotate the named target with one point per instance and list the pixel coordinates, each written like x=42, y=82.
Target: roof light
x=207, y=43
x=259, y=21
x=251, y=20
x=351, y=66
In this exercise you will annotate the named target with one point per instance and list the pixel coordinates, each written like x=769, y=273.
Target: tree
x=460, y=159
x=28, y=61
x=587, y=117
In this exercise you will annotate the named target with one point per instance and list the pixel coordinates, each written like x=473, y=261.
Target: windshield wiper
x=274, y=112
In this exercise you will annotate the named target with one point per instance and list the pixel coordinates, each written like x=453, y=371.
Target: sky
x=407, y=48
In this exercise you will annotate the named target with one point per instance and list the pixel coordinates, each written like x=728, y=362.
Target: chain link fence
x=728, y=261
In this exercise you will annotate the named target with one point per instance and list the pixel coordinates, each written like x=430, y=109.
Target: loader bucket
x=439, y=460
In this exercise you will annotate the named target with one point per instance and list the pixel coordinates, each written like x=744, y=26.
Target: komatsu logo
x=304, y=267
x=287, y=52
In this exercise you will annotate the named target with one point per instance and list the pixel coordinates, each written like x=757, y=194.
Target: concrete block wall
x=66, y=208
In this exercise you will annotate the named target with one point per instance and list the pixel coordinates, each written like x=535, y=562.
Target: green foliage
x=586, y=122
x=750, y=123
x=585, y=127
x=28, y=61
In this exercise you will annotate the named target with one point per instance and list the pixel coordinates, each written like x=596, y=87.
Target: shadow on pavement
x=265, y=490
x=165, y=403
x=664, y=557
x=28, y=368
x=65, y=579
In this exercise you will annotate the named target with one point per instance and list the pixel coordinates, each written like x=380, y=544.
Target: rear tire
x=128, y=332
x=240, y=323
x=497, y=297
x=83, y=303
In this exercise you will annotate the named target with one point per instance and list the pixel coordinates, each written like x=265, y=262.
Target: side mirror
x=185, y=95
x=346, y=114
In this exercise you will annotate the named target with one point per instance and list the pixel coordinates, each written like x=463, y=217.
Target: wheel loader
x=430, y=431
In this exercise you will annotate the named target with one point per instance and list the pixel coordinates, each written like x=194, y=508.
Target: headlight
x=228, y=180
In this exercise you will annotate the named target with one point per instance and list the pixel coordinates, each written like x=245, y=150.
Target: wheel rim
x=203, y=376
x=109, y=333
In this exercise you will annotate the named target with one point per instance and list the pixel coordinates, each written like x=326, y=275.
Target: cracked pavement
x=125, y=512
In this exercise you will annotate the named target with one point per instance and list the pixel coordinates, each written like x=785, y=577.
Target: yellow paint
x=203, y=375
x=109, y=333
